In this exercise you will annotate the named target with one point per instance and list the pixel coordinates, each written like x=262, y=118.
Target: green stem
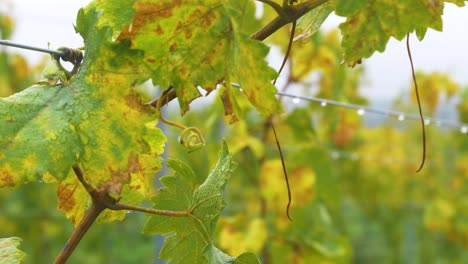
x=128, y=207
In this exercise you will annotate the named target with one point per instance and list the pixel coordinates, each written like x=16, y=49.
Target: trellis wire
x=21, y=46
x=362, y=110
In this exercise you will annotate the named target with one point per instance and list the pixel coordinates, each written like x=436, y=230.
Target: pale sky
x=387, y=74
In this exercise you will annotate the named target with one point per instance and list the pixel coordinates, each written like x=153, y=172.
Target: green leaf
x=300, y=124
x=9, y=252
x=308, y=24
x=370, y=24
x=190, y=238
x=349, y=7
x=216, y=256
x=314, y=228
x=116, y=15
x=35, y=135
x=189, y=44
x=96, y=121
x=246, y=258
x=459, y=3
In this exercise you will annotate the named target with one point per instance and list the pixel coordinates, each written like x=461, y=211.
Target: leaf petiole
x=120, y=206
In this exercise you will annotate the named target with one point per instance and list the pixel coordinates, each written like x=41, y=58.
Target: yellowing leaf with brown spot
x=189, y=44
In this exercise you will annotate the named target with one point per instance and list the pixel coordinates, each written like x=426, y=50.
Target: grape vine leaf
x=214, y=255
x=190, y=238
x=315, y=228
x=95, y=120
x=308, y=24
x=9, y=252
x=190, y=44
x=370, y=24
x=116, y=14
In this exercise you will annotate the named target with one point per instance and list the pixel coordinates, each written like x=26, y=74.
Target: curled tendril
x=192, y=139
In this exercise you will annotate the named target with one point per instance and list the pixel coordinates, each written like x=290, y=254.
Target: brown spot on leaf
x=6, y=180
x=173, y=47
x=179, y=26
x=208, y=19
x=194, y=15
x=147, y=13
x=66, y=202
x=159, y=30
x=121, y=177
x=133, y=164
x=150, y=60
x=183, y=71
x=228, y=108
x=188, y=33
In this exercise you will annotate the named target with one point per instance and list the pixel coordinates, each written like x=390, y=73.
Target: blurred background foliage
x=15, y=71
x=356, y=197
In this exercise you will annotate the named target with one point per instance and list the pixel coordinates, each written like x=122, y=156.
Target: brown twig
x=78, y=233
x=423, y=127
x=167, y=95
x=101, y=200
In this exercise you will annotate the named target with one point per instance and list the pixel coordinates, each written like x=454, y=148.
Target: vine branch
x=101, y=200
x=79, y=232
x=294, y=12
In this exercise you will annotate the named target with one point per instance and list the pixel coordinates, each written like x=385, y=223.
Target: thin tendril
x=286, y=178
x=164, y=120
x=191, y=137
x=288, y=50
x=419, y=104
x=285, y=59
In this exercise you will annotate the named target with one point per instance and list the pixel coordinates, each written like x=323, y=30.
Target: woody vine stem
x=101, y=200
